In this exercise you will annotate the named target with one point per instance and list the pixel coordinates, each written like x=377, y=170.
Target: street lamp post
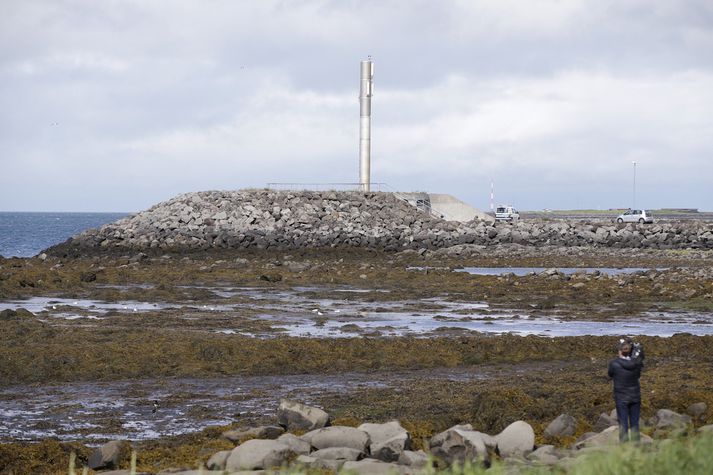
x=634, y=185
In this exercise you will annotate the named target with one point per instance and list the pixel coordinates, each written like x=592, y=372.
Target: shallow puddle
x=349, y=312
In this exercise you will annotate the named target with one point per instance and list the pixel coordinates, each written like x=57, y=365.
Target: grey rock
x=546, y=455
x=338, y=436
x=296, y=444
x=218, y=460
x=415, y=459
x=257, y=454
x=438, y=439
x=697, y=409
x=604, y=421
x=293, y=220
x=320, y=464
x=387, y=440
x=338, y=453
x=261, y=432
x=516, y=439
x=667, y=419
x=459, y=446
x=564, y=425
x=609, y=436
x=296, y=416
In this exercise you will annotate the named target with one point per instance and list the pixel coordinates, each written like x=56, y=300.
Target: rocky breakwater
x=262, y=219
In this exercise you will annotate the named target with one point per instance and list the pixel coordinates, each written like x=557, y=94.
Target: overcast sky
x=109, y=105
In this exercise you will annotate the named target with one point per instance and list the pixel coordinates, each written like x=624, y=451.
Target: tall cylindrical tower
x=365, y=92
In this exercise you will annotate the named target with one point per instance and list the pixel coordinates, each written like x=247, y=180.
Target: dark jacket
x=625, y=373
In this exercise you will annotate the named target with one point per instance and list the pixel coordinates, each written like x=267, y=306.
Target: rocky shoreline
x=266, y=219
x=303, y=439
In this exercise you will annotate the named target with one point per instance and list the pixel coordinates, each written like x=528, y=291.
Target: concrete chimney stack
x=365, y=92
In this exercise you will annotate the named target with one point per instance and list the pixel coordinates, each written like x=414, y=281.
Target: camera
x=637, y=349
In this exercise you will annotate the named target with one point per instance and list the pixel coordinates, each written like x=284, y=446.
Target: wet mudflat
x=153, y=408
x=88, y=345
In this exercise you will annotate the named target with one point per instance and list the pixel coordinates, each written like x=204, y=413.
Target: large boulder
x=516, y=439
x=563, y=426
x=293, y=415
x=388, y=440
x=258, y=454
x=109, y=455
x=338, y=436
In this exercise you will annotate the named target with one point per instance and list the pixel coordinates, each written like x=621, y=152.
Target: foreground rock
x=388, y=441
x=338, y=436
x=516, y=439
x=259, y=454
x=461, y=444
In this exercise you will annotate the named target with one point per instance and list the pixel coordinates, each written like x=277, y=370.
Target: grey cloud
x=115, y=105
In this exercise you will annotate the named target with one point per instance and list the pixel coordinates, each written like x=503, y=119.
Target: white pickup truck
x=506, y=213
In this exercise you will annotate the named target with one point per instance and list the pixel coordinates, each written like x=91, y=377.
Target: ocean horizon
x=26, y=234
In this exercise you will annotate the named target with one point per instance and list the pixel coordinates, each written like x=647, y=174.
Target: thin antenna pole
x=492, y=196
x=634, y=200
x=365, y=93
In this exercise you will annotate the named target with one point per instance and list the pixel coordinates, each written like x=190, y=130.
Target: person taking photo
x=625, y=371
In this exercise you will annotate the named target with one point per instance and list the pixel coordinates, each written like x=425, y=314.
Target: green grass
x=682, y=456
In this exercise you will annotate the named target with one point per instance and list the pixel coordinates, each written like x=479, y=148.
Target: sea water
x=28, y=234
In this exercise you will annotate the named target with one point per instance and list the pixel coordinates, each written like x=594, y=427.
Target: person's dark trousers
x=628, y=415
